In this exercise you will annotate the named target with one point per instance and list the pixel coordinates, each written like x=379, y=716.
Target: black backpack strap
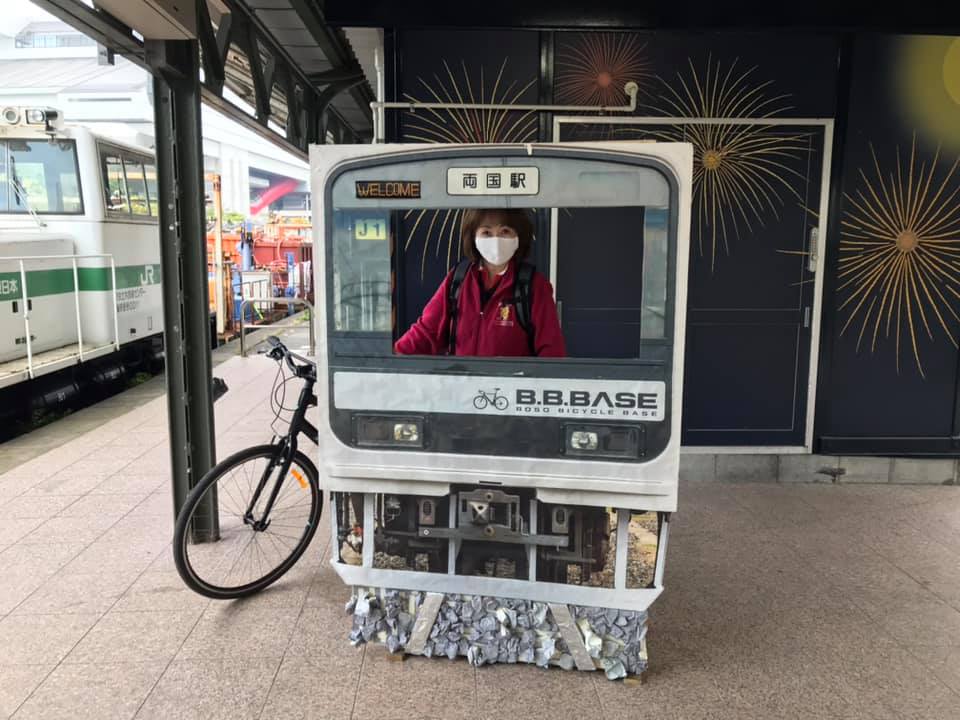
x=453, y=302
x=523, y=301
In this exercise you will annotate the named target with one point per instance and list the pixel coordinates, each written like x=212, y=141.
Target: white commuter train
x=80, y=298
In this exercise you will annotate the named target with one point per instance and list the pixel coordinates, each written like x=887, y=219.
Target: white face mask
x=497, y=250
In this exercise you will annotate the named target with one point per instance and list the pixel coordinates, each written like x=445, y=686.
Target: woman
x=485, y=320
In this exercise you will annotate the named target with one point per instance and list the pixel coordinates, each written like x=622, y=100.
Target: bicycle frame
x=298, y=424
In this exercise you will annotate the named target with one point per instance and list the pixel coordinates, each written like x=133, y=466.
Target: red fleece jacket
x=490, y=331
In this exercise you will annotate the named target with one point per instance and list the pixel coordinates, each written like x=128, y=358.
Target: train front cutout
x=503, y=467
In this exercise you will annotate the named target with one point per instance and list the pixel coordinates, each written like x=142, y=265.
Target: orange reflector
x=300, y=478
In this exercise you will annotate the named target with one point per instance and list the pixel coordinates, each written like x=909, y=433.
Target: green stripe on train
x=60, y=280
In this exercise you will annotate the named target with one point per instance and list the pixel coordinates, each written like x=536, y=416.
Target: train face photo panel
x=502, y=440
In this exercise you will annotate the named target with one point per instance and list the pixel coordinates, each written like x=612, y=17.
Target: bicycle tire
x=182, y=532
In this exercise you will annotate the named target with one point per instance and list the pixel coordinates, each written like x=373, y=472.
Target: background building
x=45, y=62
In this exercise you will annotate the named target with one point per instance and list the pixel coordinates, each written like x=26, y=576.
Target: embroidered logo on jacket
x=505, y=316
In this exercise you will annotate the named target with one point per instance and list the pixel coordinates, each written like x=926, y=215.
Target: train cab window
x=136, y=186
x=39, y=176
x=600, y=290
x=115, y=185
x=362, y=291
x=611, y=278
x=610, y=285
x=602, y=254
x=586, y=335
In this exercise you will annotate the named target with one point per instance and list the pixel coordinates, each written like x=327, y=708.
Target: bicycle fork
x=288, y=448
x=285, y=458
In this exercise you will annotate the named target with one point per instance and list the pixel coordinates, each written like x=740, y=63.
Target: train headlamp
x=48, y=118
x=399, y=431
x=613, y=441
x=583, y=440
x=406, y=432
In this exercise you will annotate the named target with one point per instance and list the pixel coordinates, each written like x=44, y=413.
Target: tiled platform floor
x=782, y=601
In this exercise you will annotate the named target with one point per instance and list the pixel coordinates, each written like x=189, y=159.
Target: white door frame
x=824, y=207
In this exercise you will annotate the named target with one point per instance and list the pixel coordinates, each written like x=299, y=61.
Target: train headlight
x=614, y=441
x=36, y=117
x=11, y=115
x=583, y=440
x=406, y=432
x=388, y=431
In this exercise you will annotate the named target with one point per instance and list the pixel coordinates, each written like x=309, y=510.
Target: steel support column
x=183, y=258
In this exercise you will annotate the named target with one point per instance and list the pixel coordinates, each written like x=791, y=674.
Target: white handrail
x=279, y=301
x=378, y=106
x=113, y=283
x=26, y=318
x=76, y=291
x=76, y=302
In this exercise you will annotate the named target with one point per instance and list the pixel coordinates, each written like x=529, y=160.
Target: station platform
x=782, y=600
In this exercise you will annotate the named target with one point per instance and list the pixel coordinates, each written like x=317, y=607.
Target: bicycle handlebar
x=280, y=352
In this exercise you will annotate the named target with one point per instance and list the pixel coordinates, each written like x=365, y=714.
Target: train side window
x=115, y=185
x=150, y=173
x=136, y=186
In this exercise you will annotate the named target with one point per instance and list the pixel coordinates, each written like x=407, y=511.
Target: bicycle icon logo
x=483, y=400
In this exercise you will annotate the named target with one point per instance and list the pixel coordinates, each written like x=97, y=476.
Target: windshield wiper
x=21, y=194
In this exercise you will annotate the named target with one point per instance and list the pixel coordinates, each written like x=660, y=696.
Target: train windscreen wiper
x=21, y=195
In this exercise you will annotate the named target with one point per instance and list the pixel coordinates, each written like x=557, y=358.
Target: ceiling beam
x=238, y=20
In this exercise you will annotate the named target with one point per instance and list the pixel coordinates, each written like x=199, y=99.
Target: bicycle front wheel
x=220, y=549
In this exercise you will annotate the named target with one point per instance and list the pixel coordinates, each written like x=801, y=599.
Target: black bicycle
x=252, y=516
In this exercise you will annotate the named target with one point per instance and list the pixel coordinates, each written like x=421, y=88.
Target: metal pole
x=219, y=306
x=378, y=114
x=183, y=258
x=631, y=89
x=311, y=323
x=243, y=307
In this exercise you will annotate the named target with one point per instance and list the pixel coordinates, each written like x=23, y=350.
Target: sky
x=17, y=13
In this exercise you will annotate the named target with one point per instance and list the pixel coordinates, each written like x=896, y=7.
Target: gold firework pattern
x=592, y=68
x=741, y=172
x=900, y=253
x=442, y=227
